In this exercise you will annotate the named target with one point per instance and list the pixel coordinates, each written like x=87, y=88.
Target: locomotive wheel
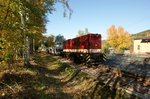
x=67, y=56
x=63, y=55
x=75, y=58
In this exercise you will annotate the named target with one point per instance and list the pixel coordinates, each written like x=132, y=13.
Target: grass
x=48, y=78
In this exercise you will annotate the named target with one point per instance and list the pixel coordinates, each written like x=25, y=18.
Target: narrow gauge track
x=130, y=82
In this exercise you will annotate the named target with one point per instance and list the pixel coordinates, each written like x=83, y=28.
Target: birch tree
x=22, y=20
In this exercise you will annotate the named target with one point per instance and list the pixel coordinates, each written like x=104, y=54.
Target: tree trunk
x=28, y=52
x=33, y=45
x=28, y=42
x=26, y=60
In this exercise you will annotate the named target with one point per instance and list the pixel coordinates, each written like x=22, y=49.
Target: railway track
x=123, y=74
x=133, y=83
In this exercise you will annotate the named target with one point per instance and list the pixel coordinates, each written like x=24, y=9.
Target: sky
x=98, y=16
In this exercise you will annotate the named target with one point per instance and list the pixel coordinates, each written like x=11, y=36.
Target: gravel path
x=130, y=64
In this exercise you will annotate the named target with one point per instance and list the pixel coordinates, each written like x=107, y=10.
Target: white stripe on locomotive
x=82, y=50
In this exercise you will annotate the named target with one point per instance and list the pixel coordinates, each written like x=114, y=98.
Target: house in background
x=142, y=45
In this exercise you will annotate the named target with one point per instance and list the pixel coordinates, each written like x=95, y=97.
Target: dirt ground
x=48, y=78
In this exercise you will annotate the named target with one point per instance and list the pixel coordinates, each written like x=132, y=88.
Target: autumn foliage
x=22, y=23
x=81, y=33
x=118, y=38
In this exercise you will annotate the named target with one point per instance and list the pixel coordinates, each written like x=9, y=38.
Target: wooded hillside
x=140, y=34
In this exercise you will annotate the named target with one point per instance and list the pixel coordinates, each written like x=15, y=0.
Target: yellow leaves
x=3, y=94
x=42, y=2
x=112, y=36
x=118, y=38
x=81, y=33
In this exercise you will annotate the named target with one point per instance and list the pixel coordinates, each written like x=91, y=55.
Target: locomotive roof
x=82, y=36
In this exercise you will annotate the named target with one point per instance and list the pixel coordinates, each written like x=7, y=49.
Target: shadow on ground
x=47, y=78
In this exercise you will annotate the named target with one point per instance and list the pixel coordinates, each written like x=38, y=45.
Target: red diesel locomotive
x=86, y=48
